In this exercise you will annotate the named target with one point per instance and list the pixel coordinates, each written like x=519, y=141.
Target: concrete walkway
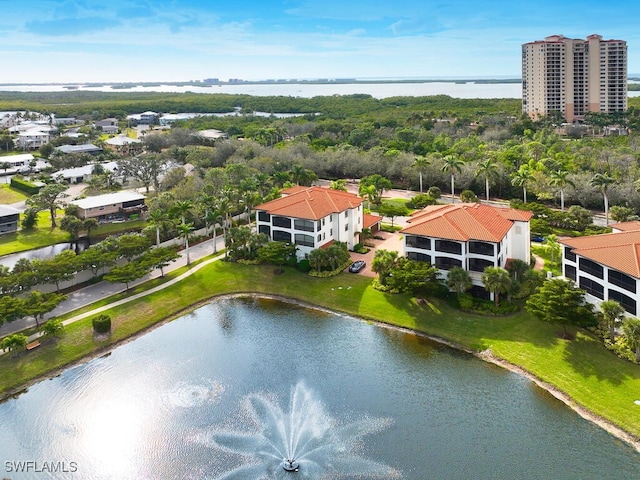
x=92, y=293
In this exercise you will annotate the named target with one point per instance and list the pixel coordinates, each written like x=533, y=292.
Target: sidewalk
x=92, y=293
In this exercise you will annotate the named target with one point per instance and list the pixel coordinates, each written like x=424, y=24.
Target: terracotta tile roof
x=370, y=220
x=465, y=221
x=311, y=203
x=626, y=226
x=620, y=251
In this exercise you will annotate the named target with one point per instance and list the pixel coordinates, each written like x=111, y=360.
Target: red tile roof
x=626, y=226
x=370, y=220
x=620, y=251
x=311, y=203
x=465, y=221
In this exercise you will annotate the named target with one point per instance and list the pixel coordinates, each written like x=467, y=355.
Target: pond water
x=42, y=253
x=230, y=390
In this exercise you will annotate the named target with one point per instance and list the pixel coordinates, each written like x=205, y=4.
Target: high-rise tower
x=574, y=76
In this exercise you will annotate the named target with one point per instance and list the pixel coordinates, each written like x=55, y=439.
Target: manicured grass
x=113, y=228
x=555, y=265
x=10, y=195
x=41, y=236
x=582, y=368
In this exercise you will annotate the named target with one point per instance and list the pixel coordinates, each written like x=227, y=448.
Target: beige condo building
x=574, y=76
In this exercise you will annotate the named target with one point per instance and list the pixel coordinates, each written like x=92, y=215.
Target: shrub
x=434, y=192
x=465, y=301
x=303, y=265
x=101, y=324
x=27, y=187
x=421, y=200
x=468, y=196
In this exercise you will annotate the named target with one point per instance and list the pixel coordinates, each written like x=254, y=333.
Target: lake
x=190, y=398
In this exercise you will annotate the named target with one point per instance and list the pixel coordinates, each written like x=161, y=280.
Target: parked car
x=357, y=266
x=537, y=238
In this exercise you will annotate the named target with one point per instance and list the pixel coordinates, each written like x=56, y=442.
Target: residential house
x=124, y=144
x=108, y=125
x=84, y=174
x=9, y=217
x=606, y=266
x=65, y=121
x=473, y=236
x=88, y=148
x=312, y=217
x=111, y=206
x=145, y=118
x=33, y=138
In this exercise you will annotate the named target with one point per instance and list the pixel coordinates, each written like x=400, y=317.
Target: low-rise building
x=88, y=148
x=472, y=236
x=311, y=218
x=111, y=206
x=606, y=266
x=108, y=125
x=9, y=218
x=84, y=173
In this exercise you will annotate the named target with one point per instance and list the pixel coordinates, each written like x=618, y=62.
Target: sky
x=73, y=41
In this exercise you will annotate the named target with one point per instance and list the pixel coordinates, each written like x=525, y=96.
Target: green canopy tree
x=53, y=329
x=38, y=304
x=127, y=273
x=411, y=277
x=11, y=308
x=50, y=198
x=392, y=210
x=379, y=184
x=159, y=258
x=277, y=253
x=560, y=301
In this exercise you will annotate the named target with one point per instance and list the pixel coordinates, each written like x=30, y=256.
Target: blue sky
x=45, y=41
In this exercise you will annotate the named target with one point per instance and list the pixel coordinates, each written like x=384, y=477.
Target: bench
x=34, y=344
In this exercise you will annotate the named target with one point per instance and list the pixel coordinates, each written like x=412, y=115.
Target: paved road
x=100, y=290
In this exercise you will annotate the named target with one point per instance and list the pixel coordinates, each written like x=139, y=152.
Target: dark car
x=537, y=238
x=357, y=266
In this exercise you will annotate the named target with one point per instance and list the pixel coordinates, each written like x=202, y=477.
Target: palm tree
x=496, y=280
x=558, y=178
x=14, y=343
x=452, y=164
x=612, y=313
x=340, y=184
x=458, y=279
x=184, y=230
x=488, y=169
x=521, y=178
x=181, y=208
x=5, y=166
x=208, y=202
x=421, y=163
x=631, y=331
x=157, y=218
x=602, y=181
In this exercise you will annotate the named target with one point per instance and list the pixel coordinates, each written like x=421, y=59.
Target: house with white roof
x=84, y=173
x=33, y=138
x=606, y=266
x=313, y=217
x=472, y=236
x=111, y=206
x=88, y=148
x=9, y=218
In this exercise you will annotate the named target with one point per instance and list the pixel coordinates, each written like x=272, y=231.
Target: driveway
x=387, y=241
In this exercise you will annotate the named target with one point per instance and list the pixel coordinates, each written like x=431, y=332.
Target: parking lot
x=387, y=241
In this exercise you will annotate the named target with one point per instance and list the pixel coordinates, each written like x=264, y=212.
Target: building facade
x=606, y=266
x=111, y=206
x=574, y=76
x=472, y=236
x=9, y=218
x=311, y=218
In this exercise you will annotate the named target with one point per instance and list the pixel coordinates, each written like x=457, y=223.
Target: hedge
x=23, y=185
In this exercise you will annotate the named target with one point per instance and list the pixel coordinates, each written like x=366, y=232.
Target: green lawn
x=586, y=371
x=10, y=195
x=41, y=236
x=113, y=228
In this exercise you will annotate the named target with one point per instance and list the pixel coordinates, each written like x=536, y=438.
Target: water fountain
x=305, y=442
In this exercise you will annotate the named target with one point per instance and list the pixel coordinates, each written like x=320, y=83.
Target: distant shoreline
x=337, y=81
